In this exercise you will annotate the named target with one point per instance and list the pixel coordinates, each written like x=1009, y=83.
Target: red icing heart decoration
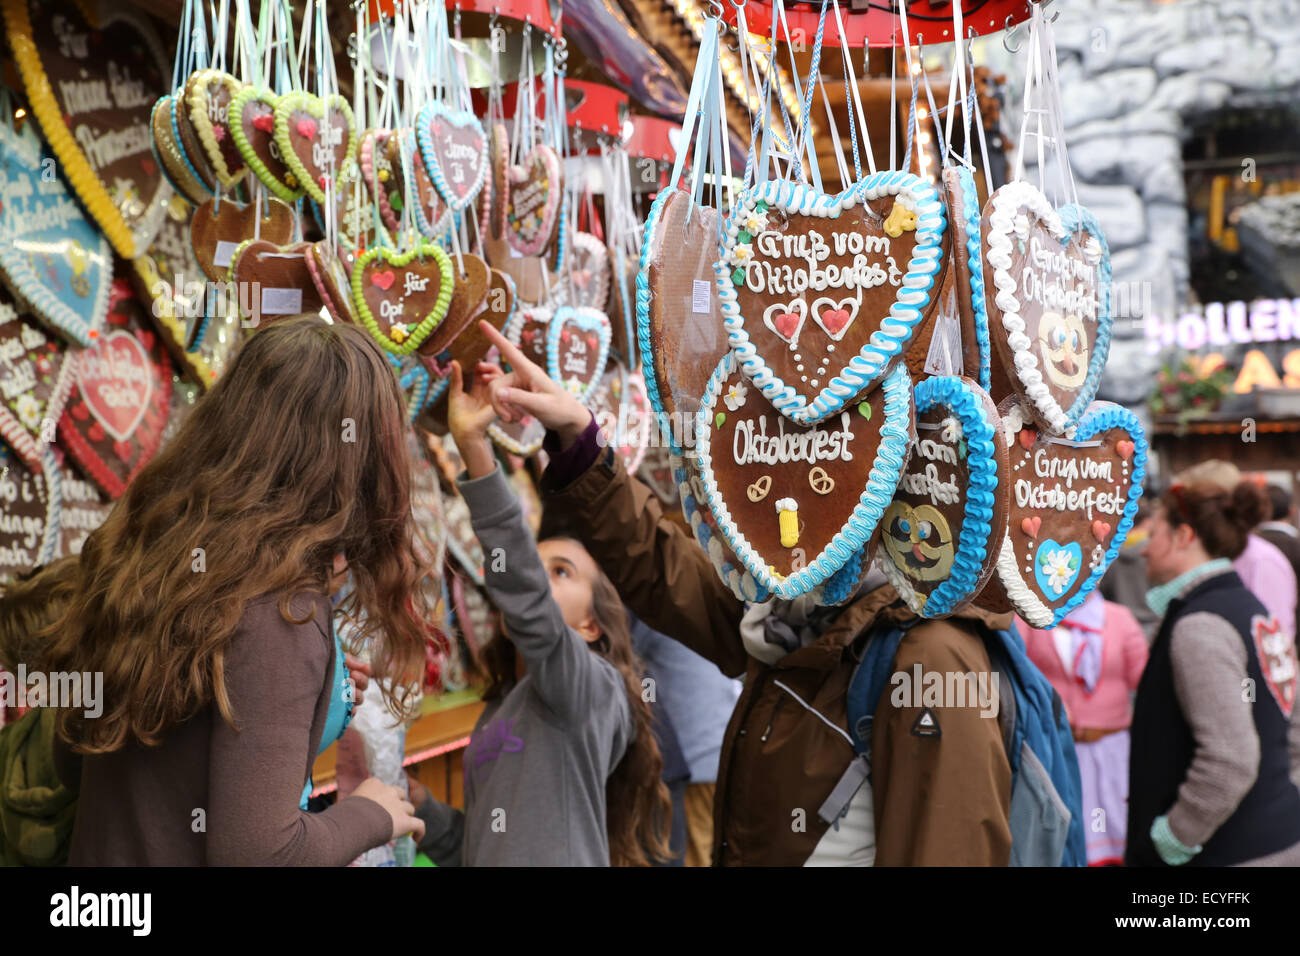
x=1100, y=529
x=835, y=319
x=114, y=422
x=307, y=128
x=1125, y=449
x=787, y=323
x=383, y=280
x=265, y=122
x=1030, y=526
x=1027, y=437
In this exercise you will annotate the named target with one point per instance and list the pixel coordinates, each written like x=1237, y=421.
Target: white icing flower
x=735, y=396
x=741, y=254
x=755, y=222
x=29, y=411
x=1021, y=226
x=1059, y=572
x=951, y=430
x=1092, y=251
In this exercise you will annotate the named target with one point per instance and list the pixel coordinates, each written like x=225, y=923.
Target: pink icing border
x=551, y=207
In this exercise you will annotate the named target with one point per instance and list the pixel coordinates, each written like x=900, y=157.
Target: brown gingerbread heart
x=216, y=231
x=468, y=295
x=274, y=282
x=208, y=94
x=332, y=281
x=177, y=171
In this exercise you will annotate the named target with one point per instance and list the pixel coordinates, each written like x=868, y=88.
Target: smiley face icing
x=1064, y=344
x=919, y=541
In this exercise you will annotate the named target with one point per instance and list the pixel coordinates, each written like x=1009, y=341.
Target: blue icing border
x=643, y=320
x=1073, y=218
x=977, y=538
x=970, y=204
x=589, y=320
x=1090, y=425
x=738, y=580
x=855, y=534
x=886, y=344
x=66, y=318
x=180, y=149
x=455, y=118
x=406, y=145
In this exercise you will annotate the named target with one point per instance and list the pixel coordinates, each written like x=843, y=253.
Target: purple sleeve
x=567, y=465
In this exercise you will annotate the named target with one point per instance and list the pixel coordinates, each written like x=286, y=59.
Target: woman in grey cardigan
x=1209, y=768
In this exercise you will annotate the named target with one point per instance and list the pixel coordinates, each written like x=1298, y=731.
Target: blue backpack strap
x=866, y=687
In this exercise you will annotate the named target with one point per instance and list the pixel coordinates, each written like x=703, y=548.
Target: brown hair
x=29, y=605
x=296, y=454
x=1222, y=520
x=638, y=810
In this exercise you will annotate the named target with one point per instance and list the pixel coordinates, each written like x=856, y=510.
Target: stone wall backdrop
x=1135, y=77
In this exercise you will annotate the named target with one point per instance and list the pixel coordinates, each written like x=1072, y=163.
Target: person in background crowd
x=562, y=768
x=1280, y=529
x=1125, y=581
x=676, y=775
x=227, y=683
x=790, y=790
x=1264, y=569
x=698, y=699
x=1094, y=659
x=1209, y=770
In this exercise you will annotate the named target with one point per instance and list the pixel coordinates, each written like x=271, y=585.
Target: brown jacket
x=937, y=799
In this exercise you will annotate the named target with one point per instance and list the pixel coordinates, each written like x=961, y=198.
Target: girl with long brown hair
x=204, y=602
x=562, y=768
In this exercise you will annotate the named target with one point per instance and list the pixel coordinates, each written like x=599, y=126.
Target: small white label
x=281, y=301
x=944, y=356
x=225, y=252
x=700, y=296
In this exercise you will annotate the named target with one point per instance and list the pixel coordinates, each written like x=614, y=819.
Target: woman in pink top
x=1094, y=659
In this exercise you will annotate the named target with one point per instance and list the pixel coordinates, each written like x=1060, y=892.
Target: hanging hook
x=716, y=8
x=1010, y=31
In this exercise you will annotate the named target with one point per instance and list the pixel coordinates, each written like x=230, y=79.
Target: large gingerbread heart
x=251, y=122
x=455, y=152
x=113, y=423
x=401, y=298
x=208, y=95
x=316, y=139
x=678, y=322
x=218, y=227
x=30, y=506
x=49, y=252
x=35, y=378
x=84, y=508
x=1047, y=278
x=821, y=294
x=533, y=201
x=577, y=347
x=93, y=88
x=586, y=283
x=944, y=528
x=1072, y=502
x=801, y=505
x=431, y=214
x=471, y=279
x=967, y=272
x=471, y=346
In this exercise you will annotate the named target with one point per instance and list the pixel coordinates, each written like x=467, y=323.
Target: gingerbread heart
x=252, y=127
x=944, y=528
x=113, y=422
x=967, y=271
x=523, y=438
x=622, y=411
x=35, y=379
x=1063, y=490
x=830, y=482
x=676, y=280
x=622, y=302
x=332, y=281
x=84, y=508
x=530, y=331
x=178, y=170
x=535, y=194
x=470, y=280
x=274, y=282
x=216, y=230
x=587, y=281
x=354, y=217
x=1048, y=299
x=471, y=346
x=495, y=198
x=455, y=152
x=577, y=347
x=414, y=380
x=92, y=89
x=382, y=177
x=316, y=138
x=30, y=506
x=50, y=253
x=861, y=265
x=431, y=214
x=401, y=298
x=208, y=95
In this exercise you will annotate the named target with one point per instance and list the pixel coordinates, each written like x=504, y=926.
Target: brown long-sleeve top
x=216, y=795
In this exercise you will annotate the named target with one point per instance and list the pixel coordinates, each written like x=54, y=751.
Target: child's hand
x=399, y=808
x=528, y=390
x=468, y=416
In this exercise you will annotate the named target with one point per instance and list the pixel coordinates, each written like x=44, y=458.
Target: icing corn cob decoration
x=902, y=218
x=787, y=511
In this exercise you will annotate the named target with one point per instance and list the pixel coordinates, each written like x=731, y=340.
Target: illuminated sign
x=1228, y=327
